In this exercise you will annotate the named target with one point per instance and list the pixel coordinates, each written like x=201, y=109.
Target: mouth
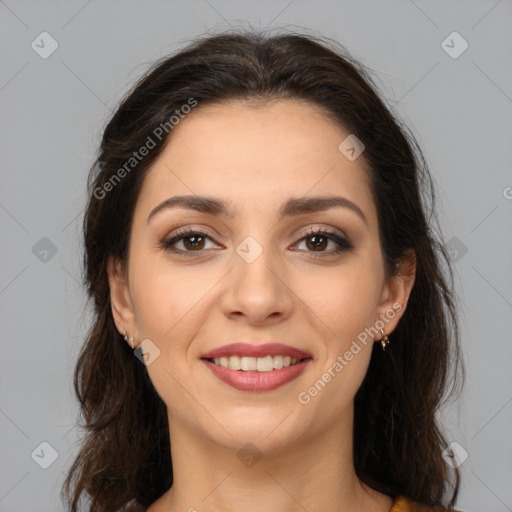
x=256, y=368
x=256, y=364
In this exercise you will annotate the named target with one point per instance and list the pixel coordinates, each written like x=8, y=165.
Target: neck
x=313, y=473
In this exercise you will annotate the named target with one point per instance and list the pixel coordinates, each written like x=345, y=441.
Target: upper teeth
x=260, y=364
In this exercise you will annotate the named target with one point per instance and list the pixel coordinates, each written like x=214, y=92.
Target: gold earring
x=126, y=339
x=384, y=341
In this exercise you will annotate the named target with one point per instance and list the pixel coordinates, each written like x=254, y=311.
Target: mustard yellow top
x=400, y=504
x=403, y=504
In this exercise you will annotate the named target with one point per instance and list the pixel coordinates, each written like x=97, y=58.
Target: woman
x=272, y=326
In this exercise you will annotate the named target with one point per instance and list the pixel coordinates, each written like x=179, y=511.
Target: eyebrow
x=292, y=207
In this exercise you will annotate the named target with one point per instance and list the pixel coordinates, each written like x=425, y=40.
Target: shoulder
x=403, y=504
x=133, y=506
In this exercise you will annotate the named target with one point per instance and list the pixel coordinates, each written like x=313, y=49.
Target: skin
x=257, y=158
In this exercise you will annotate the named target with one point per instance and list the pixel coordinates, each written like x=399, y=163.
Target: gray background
x=52, y=114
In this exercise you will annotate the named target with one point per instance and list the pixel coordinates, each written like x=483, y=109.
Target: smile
x=259, y=364
x=246, y=375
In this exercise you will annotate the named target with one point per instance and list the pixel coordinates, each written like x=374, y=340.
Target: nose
x=257, y=292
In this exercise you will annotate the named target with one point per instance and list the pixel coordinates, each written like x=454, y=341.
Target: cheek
x=172, y=305
x=166, y=313
x=343, y=306
x=344, y=299
x=165, y=298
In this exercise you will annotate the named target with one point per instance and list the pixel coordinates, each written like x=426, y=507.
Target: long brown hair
x=398, y=441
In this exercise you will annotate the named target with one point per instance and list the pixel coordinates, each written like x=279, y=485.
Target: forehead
x=262, y=154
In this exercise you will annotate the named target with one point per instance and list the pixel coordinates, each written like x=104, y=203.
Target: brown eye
x=192, y=242
x=317, y=241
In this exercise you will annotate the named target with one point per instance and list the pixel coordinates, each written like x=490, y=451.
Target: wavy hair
x=398, y=440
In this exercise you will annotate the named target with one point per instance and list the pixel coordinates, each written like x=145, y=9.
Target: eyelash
x=343, y=244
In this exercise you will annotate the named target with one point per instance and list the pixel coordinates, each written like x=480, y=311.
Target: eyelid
x=324, y=228
x=181, y=233
x=299, y=233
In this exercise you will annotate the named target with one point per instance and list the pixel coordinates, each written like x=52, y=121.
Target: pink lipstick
x=263, y=367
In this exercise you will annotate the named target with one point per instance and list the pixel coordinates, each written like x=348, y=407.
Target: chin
x=267, y=430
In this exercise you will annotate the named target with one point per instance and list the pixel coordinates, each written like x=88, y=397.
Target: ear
x=396, y=292
x=120, y=299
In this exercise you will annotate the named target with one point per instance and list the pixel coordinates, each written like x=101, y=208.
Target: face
x=312, y=279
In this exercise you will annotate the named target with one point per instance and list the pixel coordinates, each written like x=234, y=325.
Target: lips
x=250, y=350
x=257, y=381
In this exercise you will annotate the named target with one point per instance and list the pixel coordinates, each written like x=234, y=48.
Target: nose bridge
x=256, y=261
x=256, y=287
